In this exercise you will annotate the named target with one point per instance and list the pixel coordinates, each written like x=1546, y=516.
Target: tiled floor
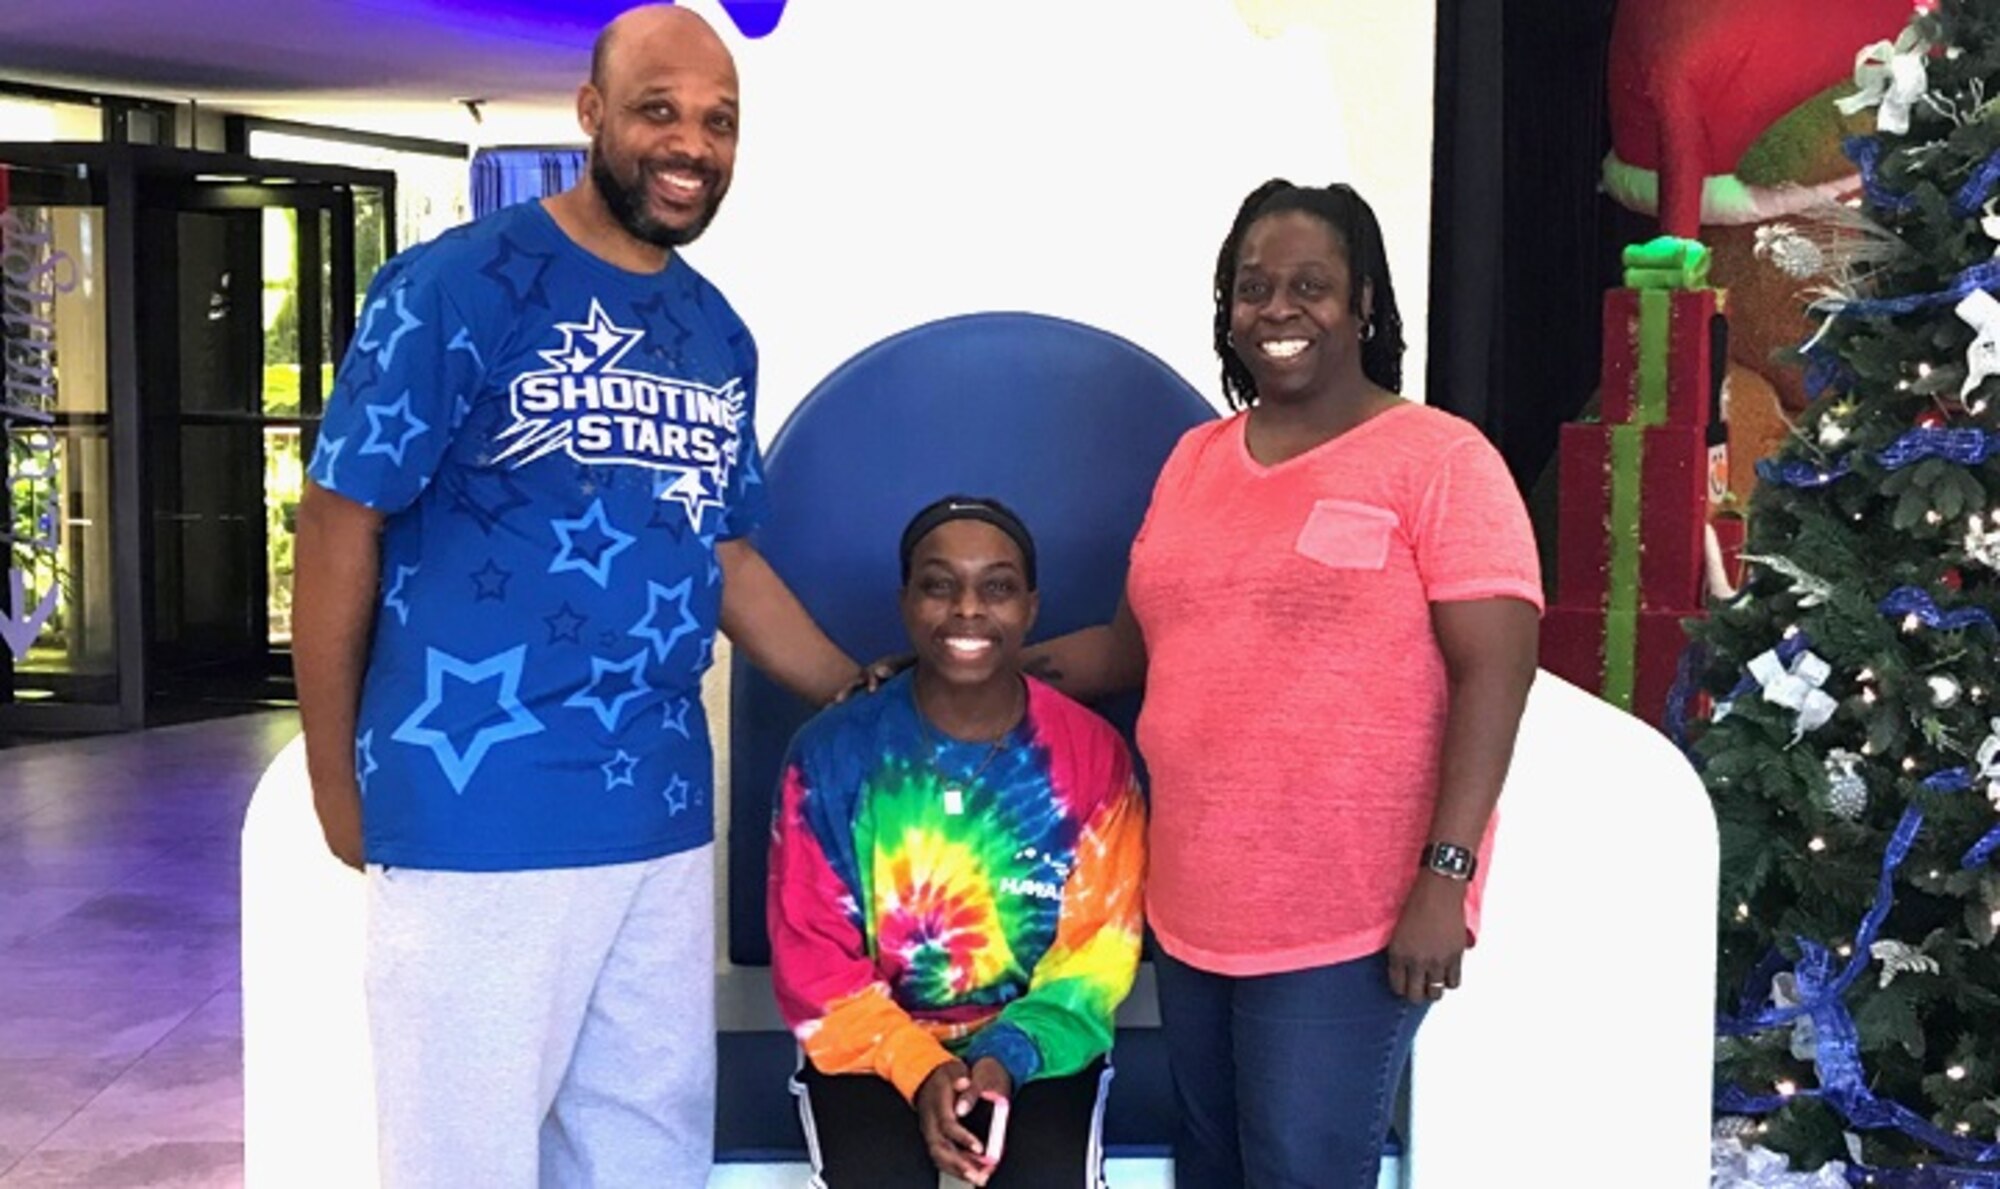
x=121, y=1034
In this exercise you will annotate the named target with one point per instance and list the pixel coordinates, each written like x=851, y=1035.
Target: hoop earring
x=1368, y=331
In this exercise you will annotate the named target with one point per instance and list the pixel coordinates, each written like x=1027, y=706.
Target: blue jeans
x=1284, y=1081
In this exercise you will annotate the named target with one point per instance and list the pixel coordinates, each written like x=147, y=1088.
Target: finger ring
x=1434, y=986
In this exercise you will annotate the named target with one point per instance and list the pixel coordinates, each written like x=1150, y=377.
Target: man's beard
x=628, y=205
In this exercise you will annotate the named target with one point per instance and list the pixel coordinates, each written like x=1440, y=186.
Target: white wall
x=905, y=160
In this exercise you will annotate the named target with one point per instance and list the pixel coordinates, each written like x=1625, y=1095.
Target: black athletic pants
x=862, y=1135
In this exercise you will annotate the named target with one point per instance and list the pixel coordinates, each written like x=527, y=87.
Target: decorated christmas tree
x=1853, y=752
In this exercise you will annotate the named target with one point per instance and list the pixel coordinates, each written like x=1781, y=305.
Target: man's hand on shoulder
x=874, y=676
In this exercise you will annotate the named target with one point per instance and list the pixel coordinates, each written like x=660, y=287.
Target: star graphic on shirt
x=325, y=456
x=364, y=759
x=624, y=680
x=385, y=349
x=485, y=493
x=619, y=769
x=394, y=600
x=462, y=341
x=659, y=312
x=519, y=272
x=589, y=545
x=504, y=718
x=657, y=598
x=676, y=794
x=677, y=717
x=411, y=426
x=565, y=624
x=594, y=344
x=688, y=487
x=490, y=582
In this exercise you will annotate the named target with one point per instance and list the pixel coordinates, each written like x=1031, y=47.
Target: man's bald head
x=661, y=112
x=642, y=24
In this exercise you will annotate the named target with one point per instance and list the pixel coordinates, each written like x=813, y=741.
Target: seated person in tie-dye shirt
x=955, y=890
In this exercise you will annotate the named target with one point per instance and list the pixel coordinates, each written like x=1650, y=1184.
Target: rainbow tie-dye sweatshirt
x=931, y=898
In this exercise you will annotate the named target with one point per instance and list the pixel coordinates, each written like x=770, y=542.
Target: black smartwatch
x=1452, y=862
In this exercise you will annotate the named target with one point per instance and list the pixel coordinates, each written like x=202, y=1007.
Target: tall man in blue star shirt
x=526, y=522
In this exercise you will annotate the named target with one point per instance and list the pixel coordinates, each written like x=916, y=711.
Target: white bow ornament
x=1982, y=359
x=1892, y=75
x=1797, y=687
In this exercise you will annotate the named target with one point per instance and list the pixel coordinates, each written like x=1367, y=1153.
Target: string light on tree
x=1982, y=541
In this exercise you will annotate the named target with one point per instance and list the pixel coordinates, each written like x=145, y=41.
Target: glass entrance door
x=57, y=612
x=246, y=303
x=168, y=325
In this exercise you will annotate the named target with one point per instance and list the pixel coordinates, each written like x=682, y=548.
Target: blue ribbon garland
x=1931, y=1176
x=1985, y=275
x=1966, y=447
x=1982, y=850
x=1825, y=370
x=1950, y=780
x=1958, y=780
x=1978, y=188
x=1885, y=894
x=1910, y=600
x=1866, y=153
x=1843, y=1084
x=1687, y=680
x=1799, y=473
x=1837, y=1044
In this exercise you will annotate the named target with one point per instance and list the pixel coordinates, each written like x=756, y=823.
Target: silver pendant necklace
x=954, y=788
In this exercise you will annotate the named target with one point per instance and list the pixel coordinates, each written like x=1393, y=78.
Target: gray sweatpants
x=544, y=1028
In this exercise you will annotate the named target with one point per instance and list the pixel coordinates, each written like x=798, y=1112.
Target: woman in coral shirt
x=1333, y=607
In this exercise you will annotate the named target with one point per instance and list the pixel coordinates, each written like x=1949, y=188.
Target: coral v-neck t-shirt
x=1295, y=691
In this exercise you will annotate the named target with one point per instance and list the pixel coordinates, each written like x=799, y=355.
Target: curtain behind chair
x=503, y=177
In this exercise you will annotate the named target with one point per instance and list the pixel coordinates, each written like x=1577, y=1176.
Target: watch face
x=1449, y=860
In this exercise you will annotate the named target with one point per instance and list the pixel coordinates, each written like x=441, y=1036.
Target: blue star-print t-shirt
x=557, y=445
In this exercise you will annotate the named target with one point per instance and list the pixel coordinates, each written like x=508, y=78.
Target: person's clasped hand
x=953, y=1149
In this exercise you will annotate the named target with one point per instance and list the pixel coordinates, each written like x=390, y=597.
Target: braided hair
x=1343, y=210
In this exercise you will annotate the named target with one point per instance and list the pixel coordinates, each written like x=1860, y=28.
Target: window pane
x=32, y=120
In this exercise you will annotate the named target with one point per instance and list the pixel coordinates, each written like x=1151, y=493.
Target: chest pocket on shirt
x=1346, y=535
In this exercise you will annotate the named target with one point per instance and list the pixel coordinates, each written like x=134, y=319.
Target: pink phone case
x=996, y=1135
